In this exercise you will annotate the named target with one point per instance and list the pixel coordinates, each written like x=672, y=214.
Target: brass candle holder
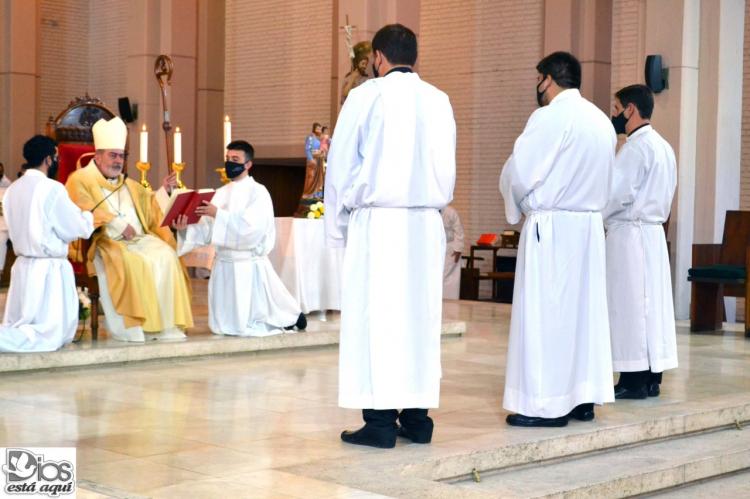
x=144, y=168
x=222, y=174
x=178, y=168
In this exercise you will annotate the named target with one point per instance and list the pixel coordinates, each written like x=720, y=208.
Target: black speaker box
x=128, y=113
x=656, y=75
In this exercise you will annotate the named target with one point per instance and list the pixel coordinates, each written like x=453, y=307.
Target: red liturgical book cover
x=186, y=203
x=487, y=240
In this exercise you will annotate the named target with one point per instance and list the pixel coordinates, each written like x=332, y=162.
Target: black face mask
x=619, y=122
x=52, y=170
x=540, y=95
x=375, y=70
x=233, y=169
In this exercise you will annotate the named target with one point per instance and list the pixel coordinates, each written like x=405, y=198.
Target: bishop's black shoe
x=416, y=425
x=654, y=390
x=582, y=412
x=623, y=393
x=301, y=323
x=531, y=421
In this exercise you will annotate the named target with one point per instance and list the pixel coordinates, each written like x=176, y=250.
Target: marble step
x=625, y=472
x=732, y=485
x=199, y=343
x=615, y=428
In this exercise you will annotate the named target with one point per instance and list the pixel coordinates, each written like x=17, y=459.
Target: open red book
x=185, y=203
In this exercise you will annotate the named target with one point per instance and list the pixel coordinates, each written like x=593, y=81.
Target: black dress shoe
x=654, y=390
x=371, y=436
x=416, y=435
x=623, y=393
x=583, y=412
x=531, y=421
x=301, y=323
x=416, y=425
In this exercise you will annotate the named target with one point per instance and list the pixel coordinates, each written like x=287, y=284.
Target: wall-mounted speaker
x=128, y=112
x=657, y=77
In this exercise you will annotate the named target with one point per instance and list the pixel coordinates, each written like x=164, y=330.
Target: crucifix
x=348, y=30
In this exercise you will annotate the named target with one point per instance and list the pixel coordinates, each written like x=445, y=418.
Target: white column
x=676, y=118
x=19, y=79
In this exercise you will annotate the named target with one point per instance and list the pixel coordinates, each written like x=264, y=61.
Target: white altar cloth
x=309, y=270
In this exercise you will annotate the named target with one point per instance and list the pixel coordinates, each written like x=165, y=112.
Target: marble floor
x=267, y=425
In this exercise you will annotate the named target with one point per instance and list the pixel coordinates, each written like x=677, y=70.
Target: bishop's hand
x=128, y=233
x=169, y=182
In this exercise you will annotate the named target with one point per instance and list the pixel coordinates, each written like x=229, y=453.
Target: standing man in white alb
x=391, y=168
x=559, y=357
x=245, y=296
x=454, y=240
x=41, y=313
x=639, y=282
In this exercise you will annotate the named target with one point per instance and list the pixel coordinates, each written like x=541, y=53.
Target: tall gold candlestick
x=144, y=168
x=222, y=174
x=178, y=168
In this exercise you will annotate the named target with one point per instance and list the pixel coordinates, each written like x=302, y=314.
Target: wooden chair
x=720, y=270
x=471, y=276
x=84, y=280
x=72, y=130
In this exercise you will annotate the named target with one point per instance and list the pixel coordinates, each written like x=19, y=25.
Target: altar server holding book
x=245, y=296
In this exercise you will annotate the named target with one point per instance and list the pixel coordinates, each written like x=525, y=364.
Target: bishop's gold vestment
x=130, y=280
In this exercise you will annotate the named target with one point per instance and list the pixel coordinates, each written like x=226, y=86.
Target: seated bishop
x=144, y=288
x=245, y=296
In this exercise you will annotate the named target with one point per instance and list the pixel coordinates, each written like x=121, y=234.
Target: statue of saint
x=360, y=66
x=315, y=153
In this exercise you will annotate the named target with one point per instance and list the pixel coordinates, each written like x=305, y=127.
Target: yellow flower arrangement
x=316, y=210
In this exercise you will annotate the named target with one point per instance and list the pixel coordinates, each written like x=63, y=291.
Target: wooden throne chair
x=75, y=146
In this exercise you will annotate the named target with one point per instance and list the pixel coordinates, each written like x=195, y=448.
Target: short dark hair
x=242, y=145
x=563, y=67
x=37, y=148
x=324, y=128
x=315, y=125
x=397, y=43
x=639, y=95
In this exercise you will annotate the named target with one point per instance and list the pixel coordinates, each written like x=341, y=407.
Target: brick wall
x=63, y=57
x=486, y=64
x=745, y=146
x=627, y=43
x=277, y=71
x=83, y=49
x=108, y=50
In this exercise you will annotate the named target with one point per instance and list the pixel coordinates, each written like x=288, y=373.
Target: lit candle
x=177, y=145
x=227, y=131
x=144, y=144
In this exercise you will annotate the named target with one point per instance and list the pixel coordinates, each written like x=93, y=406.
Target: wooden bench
x=720, y=270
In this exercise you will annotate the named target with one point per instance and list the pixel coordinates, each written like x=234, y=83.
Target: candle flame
x=177, y=130
x=226, y=117
x=143, y=128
